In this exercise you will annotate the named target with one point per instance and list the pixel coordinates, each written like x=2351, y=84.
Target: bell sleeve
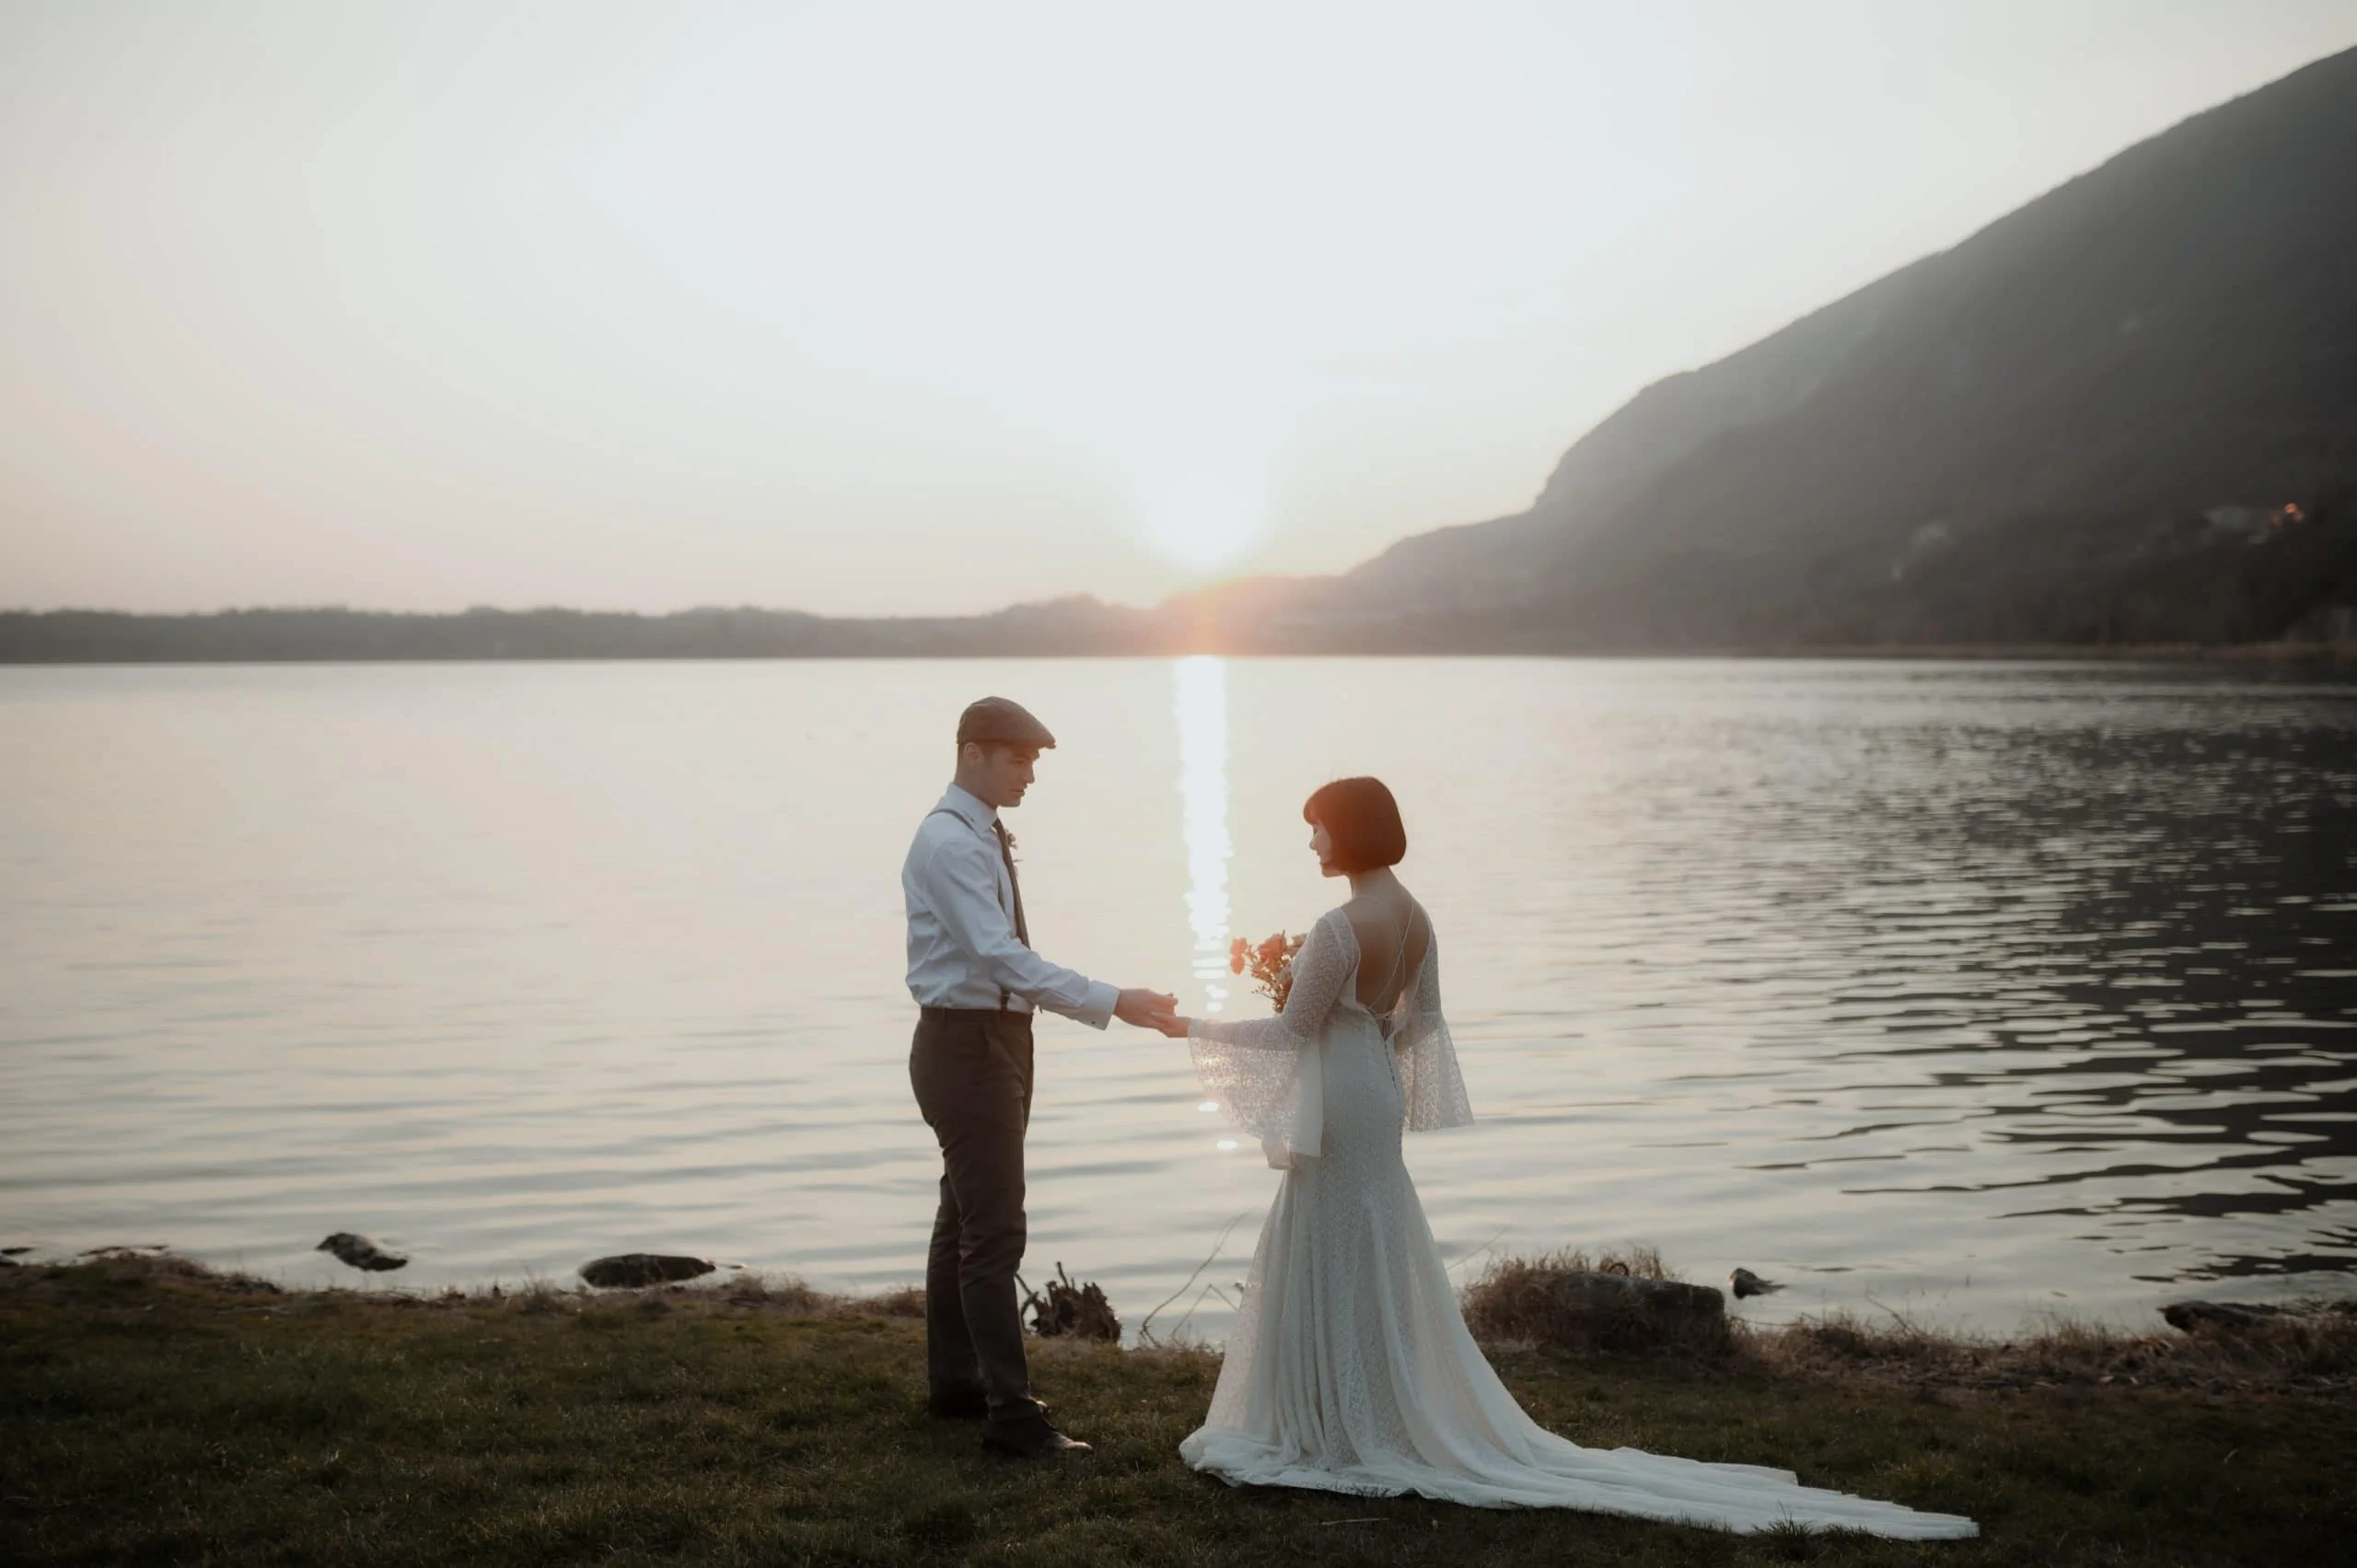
x=1430, y=1081
x=1264, y=1074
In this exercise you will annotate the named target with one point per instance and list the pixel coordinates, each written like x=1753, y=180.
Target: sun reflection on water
x=1199, y=701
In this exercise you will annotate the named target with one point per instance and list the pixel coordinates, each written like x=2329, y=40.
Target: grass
x=153, y=1413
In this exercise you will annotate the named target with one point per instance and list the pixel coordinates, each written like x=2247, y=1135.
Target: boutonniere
x=1010, y=843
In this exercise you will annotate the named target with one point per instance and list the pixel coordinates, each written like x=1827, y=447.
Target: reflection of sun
x=1200, y=693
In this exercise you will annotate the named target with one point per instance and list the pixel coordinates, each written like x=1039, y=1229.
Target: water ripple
x=1975, y=989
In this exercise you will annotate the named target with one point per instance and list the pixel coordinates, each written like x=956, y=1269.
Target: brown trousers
x=971, y=1070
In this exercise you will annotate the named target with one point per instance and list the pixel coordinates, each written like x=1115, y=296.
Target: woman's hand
x=1173, y=1024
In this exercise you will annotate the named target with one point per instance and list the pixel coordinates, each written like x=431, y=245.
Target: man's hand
x=1146, y=1009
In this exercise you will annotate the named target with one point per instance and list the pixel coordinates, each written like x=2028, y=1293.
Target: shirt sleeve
x=960, y=881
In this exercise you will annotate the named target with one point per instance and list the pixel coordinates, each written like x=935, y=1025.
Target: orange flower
x=1271, y=962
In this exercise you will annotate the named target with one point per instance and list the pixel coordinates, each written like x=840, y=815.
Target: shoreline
x=1927, y=1334
x=2309, y=1347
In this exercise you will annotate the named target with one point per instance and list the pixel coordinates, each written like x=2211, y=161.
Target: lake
x=1972, y=990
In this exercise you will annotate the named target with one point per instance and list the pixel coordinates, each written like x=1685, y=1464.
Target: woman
x=1351, y=1368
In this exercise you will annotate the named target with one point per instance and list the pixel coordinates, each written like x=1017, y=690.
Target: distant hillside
x=2073, y=426
x=337, y=634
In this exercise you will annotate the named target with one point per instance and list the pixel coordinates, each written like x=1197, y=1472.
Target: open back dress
x=1351, y=1368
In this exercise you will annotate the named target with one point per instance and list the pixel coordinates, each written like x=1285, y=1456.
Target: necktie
x=1006, y=853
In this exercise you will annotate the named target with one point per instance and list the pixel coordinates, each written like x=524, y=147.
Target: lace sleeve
x=1430, y=1081
x=1264, y=1074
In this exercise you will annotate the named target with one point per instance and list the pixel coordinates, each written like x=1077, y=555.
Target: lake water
x=1967, y=990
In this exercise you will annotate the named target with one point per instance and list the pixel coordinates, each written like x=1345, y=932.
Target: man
x=976, y=981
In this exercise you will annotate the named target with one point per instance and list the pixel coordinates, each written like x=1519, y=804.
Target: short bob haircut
x=1363, y=822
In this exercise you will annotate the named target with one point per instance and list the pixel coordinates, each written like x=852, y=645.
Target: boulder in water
x=361, y=1253
x=625, y=1270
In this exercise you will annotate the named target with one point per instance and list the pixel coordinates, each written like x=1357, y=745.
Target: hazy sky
x=873, y=306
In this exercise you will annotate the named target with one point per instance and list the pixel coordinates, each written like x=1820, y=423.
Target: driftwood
x=626, y=1270
x=1080, y=1311
x=361, y=1252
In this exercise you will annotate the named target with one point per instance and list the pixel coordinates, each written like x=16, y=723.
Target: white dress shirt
x=962, y=947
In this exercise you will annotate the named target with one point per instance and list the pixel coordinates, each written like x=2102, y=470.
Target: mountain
x=2081, y=424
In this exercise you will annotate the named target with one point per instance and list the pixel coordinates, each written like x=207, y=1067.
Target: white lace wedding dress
x=1350, y=1368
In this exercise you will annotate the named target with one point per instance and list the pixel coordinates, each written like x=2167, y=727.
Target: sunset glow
x=934, y=308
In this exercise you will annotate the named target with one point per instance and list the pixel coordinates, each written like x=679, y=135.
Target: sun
x=1203, y=517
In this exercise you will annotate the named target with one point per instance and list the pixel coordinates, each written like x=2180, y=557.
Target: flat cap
x=995, y=718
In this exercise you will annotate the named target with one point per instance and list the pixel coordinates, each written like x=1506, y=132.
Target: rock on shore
x=1561, y=1302
x=1621, y=1312
x=361, y=1252
x=628, y=1269
x=2192, y=1315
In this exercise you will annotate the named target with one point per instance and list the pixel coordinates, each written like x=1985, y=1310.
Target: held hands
x=1146, y=1009
x=1173, y=1024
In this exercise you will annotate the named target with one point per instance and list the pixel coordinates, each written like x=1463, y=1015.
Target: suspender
x=944, y=811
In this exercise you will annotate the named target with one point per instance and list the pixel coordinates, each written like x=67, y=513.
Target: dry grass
x=1521, y=1301
x=2312, y=1347
x=1506, y=1280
